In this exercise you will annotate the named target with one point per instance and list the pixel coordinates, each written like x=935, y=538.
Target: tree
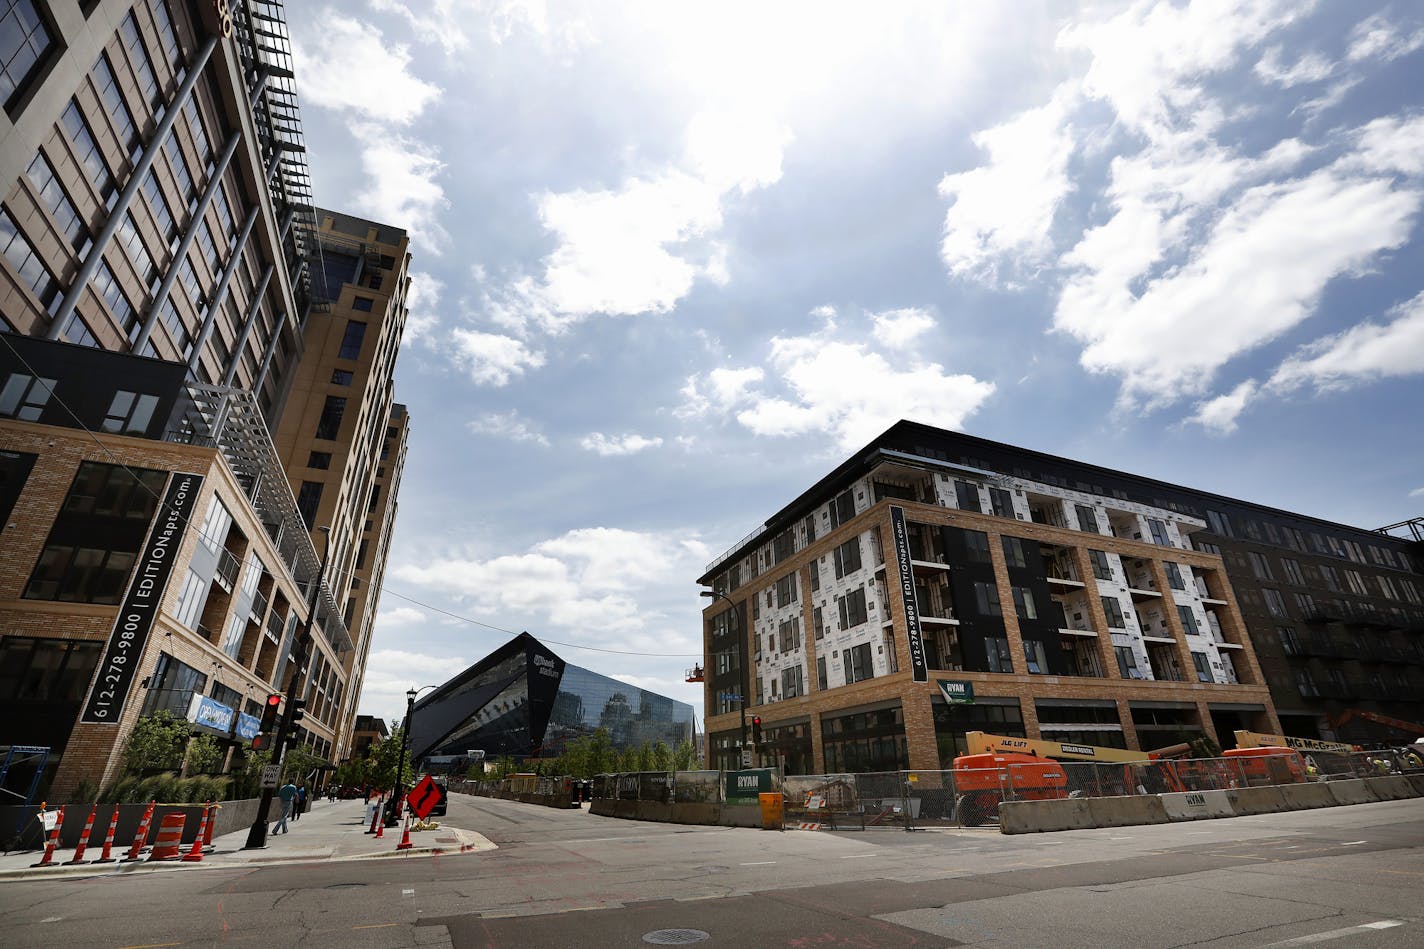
x=156, y=743
x=204, y=755
x=685, y=757
x=662, y=757
x=387, y=758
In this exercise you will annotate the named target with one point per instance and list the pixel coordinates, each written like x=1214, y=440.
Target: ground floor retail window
x=865, y=741
x=789, y=746
x=952, y=721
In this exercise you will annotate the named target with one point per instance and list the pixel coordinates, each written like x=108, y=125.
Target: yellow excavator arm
x=980, y=743
x=1245, y=739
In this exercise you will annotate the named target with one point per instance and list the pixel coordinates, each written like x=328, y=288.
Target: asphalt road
x=1347, y=876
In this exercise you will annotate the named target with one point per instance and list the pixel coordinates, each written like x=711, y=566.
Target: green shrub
x=167, y=788
x=119, y=791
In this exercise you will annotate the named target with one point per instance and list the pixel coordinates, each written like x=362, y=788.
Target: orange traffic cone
x=83, y=838
x=405, y=843
x=141, y=835
x=208, y=836
x=168, y=844
x=109, y=838
x=48, y=859
x=380, y=828
x=375, y=816
x=195, y=853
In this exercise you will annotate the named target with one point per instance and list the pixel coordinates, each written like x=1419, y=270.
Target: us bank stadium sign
x=919, y=668
x=141, y=603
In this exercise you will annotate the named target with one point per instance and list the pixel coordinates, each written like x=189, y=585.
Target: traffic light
x=296, y=708
x=268, y=725
x=756, y=729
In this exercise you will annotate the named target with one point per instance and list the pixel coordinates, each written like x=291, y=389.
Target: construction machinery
x=1245, y=739
x=1409, y=728
x=1029, y=769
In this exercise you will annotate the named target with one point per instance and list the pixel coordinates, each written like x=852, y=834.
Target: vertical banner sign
x=155, y=563
x=920, y=670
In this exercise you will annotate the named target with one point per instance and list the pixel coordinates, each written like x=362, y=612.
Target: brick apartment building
x=167, y=305
x=1069, y=602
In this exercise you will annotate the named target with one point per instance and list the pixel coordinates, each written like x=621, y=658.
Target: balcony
x=227, y=570
x=258, y=608
x=276, y=622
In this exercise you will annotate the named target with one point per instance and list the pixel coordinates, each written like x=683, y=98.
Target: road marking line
x=407, y=892
x=1340, y=933
x=1354, y=843
x=55, y=919
x=153, y=945
x=372, y=926
x=857, y=856
x=759, y=863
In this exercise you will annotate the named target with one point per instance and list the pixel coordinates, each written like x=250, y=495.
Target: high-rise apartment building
x=162, y=282
x=936, y=583
x=342, y=435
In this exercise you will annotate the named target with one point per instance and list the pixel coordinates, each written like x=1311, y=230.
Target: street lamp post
x=257, y=834
x=741, y=659
x=399, y=794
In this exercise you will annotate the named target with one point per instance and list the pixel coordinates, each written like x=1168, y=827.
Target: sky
x=674, y=262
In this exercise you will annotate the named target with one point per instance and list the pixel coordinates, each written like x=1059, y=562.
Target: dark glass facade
x=524, y=701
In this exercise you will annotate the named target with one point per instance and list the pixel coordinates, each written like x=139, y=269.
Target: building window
x=967, y=496
x=111, y=491
x=842, y=508
x=1102, y=569
x=1203, y=666
x=1293, y=573
x=793, y=682
x=1014, y=552
x=1113, y=609
x=1331, y=576
x=1002, y=502
x=79, y=574
x=847, y=557
x=341, y=377
x=852, y=608
x=860, y=664
x=1023, y=603
x=785, y=589
x=1158, y=531
x=790, y=634
x=24, y=397
x=818, y=623
x=1188, y=620
x=52, y=195
x=362, y=304
x=1306, y=603
x=172, y=686
x=821, y=684
x=1174, y=576
x=976, y=546
x=33, y=274
x=1127, y=662
x=351, y=342
x=319, y=459
x=986, y=597
x=996, y=649
x=308, y=499
x=33, y=669
x=26, y=44
x=1275, y=604
x=1260, y=566
x=331, y=413
x=1087, y=518
x=130, y=413
x=815, y=575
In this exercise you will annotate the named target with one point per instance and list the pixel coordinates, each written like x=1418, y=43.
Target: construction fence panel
x=931, y=797
x=978, y=794
x=655, y=786
x=885, y=798
x=697, y=787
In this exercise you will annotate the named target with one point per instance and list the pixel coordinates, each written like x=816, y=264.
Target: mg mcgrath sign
x=957, y=692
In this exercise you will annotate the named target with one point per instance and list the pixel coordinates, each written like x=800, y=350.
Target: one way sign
x=425, y=796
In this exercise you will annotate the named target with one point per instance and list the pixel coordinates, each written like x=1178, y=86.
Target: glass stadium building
x=522, y=700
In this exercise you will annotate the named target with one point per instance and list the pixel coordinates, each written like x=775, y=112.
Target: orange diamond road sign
x=424, y=796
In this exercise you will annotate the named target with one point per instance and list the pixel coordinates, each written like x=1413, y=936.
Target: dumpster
x=772, y=805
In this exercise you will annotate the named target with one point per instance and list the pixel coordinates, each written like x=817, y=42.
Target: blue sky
x=674, y=262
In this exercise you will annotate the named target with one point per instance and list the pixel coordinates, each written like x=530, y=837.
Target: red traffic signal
x=756, y=729
x=268, y=723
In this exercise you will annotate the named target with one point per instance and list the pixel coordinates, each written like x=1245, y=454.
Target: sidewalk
x=327, y=831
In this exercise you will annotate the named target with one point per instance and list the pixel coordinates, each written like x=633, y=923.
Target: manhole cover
x=675, y=937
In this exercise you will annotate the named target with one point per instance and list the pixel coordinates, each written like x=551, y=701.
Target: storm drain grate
x=675, y=937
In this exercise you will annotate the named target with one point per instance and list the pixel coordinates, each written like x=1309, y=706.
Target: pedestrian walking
x=301, y=804
x=287, y=794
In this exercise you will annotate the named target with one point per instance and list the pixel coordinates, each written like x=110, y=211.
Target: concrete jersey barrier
x=1392, y=787
x=1126, y=811
x=1197, y=805
x=1032, y=817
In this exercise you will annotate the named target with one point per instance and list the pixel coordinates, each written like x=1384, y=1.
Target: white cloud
x=1007, y=206
x=1219, y=415
x=1312, y=67
x=491, y=359
x=1417, y=493
x=841, y=388
x=350, y=68
x=592, y=581
x=613, y=445
x=899, y=328
x=400, y=616
x=402, y=187
x=1257, y=274
x=718, y=390
x=423, y=302
x=1377, y=38
x=507, y=425
x=1392, y=144
x=1362, y=353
